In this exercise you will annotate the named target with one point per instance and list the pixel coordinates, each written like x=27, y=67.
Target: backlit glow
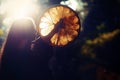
x=61, y=24
x=14, y=9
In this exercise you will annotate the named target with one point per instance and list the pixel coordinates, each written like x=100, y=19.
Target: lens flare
x=14, y=9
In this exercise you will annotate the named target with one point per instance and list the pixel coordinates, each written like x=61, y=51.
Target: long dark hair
x=18, y=41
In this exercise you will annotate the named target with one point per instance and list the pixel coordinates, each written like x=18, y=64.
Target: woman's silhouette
x=42, y=52
x=15, y=64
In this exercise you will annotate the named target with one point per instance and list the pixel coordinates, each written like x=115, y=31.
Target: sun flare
x=14, y=9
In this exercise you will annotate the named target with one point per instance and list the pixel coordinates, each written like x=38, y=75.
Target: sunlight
x=14, y=9
x=71, y=3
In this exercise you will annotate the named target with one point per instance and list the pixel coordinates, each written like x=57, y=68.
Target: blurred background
x=97, y=48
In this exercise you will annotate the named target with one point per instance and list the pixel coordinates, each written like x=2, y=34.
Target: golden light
x=1, y=32
x=59, y=25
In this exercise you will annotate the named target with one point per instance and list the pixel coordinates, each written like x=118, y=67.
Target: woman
x=16, y=49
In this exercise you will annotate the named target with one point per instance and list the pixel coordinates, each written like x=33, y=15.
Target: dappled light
x=89, y=47
x=105, y=37
x=75, y=4
x=73, y=39
x=1, y=32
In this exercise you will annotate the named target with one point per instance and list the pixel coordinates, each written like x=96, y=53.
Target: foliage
x=90, y=45
x=1, y=32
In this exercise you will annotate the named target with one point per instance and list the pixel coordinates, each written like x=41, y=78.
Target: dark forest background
x=97, y=48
